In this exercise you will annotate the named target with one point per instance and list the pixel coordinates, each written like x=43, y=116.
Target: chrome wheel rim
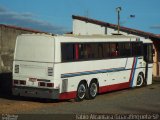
x=140, y=80
x=81, y=91
x=93, y=89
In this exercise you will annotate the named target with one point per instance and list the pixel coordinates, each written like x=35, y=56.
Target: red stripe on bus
x=113, y=87
x=68, y=95
x=132, y=71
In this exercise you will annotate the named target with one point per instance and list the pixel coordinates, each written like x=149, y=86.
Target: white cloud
x=27, y=20
x=2, y=9
x=155, y=27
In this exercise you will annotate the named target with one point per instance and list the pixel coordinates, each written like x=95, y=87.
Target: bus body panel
x=112, y=74
x=106, y=70
x=33, y=67
x=109, y=78
x=32, y=70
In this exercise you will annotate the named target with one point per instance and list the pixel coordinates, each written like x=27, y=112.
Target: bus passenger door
x=148, y=59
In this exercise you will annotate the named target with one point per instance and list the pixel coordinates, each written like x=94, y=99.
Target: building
x=8, y=36
x=87, y=26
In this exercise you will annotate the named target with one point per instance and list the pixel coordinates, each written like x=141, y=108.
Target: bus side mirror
x=153, y=52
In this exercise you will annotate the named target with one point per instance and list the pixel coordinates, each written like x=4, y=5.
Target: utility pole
x=118, y=9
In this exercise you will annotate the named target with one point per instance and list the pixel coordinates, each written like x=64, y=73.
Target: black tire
x=140, y=80
x=81, y=92
x=92, y=90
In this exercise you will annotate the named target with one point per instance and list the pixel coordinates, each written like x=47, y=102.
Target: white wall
x=110, y=31
x=84, y=28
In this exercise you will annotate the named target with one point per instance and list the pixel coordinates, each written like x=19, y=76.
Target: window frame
x=101, y=43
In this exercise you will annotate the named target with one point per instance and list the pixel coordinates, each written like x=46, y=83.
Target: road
x=145, y=100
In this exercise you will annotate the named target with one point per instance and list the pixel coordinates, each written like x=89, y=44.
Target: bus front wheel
x=140, y=80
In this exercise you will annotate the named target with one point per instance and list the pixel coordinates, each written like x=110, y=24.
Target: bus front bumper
x=35, y=92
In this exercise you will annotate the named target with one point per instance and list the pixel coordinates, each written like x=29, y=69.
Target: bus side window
x=82, y=51
x=100, y=50
x=114, y=47
x=67, y=52
x=147, y=52
x=125, y=49
x=106, y=50
x=88, y=51
x=136, y=49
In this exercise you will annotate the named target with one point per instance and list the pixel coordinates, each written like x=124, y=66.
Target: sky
x=55, y=16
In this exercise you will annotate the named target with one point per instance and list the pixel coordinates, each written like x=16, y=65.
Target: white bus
x=80, y=67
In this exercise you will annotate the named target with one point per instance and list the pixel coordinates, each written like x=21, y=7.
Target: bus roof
x=90, y=36
x=99, y=36
x=81, y=36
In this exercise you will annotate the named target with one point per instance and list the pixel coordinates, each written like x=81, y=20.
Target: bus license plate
x=31, y=92
x=33, y=79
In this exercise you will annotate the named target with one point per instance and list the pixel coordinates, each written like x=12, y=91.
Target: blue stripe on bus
x=134, y=69
x=92, y=72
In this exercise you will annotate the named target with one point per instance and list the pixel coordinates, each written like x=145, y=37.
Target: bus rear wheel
x=140, y=80
x=92, y=90
x=81, y=91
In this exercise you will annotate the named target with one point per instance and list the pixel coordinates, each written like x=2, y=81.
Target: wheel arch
x=94, y=80
x=83, y=81
x=141, y=73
